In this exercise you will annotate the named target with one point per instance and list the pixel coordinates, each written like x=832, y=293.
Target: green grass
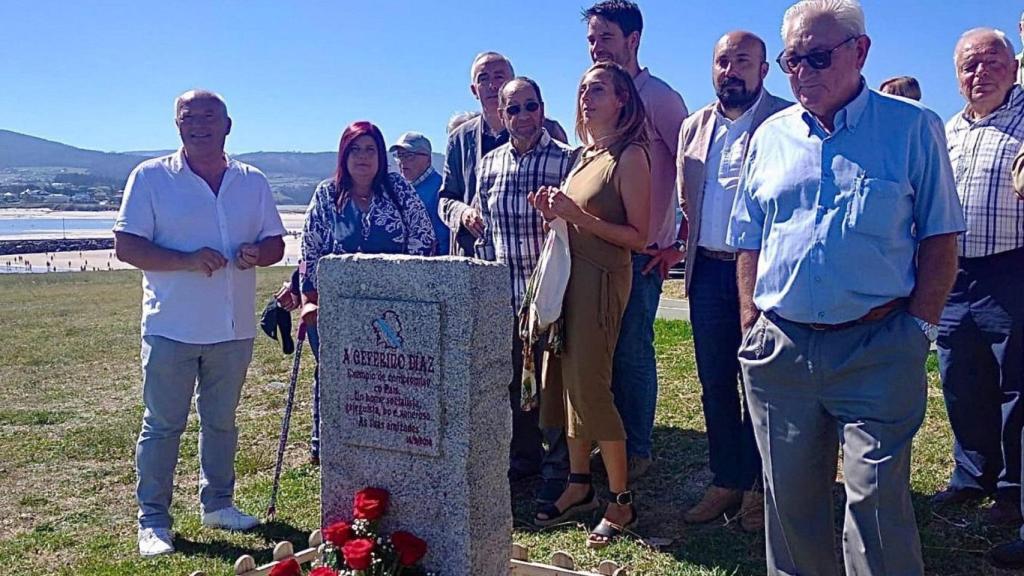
x=69, y=377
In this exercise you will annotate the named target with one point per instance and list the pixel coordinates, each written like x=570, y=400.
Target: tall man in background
x=613, y=34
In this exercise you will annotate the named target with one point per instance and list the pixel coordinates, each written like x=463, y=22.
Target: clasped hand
x=553, y=203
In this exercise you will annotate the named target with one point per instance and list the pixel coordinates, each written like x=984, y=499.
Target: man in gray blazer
x=470, y=142
x=712, y=147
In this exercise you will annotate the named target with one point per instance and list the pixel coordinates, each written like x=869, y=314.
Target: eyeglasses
x=403, y=156
x=817, y=59
x=515, y=109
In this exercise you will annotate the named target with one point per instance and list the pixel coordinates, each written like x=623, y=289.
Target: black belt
x=716, y=255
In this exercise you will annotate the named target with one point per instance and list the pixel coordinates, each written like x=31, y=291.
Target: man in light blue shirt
x=846, y=221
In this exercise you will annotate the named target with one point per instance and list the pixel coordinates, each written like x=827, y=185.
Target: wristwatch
x=931, y=331
x=679, y=245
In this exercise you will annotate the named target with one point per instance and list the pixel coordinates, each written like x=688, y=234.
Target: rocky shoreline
x=55, y=245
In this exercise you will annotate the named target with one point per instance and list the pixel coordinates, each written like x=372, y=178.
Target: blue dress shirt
x=837, y=217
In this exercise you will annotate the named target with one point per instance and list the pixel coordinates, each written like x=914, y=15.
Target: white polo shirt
x=166, y=203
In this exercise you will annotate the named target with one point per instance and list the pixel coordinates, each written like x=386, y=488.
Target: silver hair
x=847, y=13
x=999, y=35
x=198, y=94
x=485, y=55
x=460, y=118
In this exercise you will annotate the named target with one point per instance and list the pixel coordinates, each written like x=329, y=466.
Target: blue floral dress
x=385, y=228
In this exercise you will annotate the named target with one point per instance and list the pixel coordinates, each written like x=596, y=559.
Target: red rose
x=323, y=571
x=338, y=533
x=410, y=548
x=370, y=503
x=289, y=567
x=358, y=553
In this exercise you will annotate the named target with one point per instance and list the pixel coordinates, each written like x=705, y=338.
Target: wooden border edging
x=560, y=563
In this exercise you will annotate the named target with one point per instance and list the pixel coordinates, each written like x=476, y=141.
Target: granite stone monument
x=414, y=367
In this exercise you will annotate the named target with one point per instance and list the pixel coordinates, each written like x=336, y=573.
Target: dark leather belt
x=873, y=315
x=716, y=255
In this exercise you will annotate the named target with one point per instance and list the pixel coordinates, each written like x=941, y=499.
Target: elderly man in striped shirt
x=981, y=334
x=514, y=235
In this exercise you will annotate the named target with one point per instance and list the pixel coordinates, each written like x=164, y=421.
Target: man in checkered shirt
x=514, y=235
x=981, y=333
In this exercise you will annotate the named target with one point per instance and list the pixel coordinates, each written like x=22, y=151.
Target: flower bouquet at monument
x=360, y=549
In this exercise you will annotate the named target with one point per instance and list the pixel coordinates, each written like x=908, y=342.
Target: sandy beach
x=97, y=260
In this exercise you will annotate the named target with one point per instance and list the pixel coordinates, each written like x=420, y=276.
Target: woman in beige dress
x=605, y=203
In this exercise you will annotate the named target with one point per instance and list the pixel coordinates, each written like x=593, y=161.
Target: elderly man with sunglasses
x=514, y=235
x=846, y=222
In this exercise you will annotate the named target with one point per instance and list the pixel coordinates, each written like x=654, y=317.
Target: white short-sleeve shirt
x=166, y=203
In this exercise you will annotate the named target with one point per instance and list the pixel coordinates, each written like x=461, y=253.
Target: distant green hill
x=292, y=175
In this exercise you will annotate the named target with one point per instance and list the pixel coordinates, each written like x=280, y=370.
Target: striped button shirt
x=514, y=229
x=982, y=152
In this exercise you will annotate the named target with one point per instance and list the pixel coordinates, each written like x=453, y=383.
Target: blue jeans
x=634, y=369
x=314, y=344
x=981, y=360
x=171, y=372
x=715, y=317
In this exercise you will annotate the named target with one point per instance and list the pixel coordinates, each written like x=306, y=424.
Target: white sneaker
x=155, y=542
x=230, y=518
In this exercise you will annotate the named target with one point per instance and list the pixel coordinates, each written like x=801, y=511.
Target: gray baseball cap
x=413, y=142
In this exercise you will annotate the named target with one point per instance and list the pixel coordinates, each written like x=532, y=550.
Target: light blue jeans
x=171, y=372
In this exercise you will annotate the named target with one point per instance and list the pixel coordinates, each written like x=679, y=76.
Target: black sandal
x=555, y=516
x=608, y=530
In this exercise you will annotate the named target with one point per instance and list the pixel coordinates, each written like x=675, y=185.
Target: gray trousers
x=171, y=373
x=862, y=387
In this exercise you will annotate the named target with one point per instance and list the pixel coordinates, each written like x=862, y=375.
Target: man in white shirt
x=197, y=224
x=712, y=146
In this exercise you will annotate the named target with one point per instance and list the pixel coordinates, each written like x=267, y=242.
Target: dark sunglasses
x=818, y=59
x=515, y=109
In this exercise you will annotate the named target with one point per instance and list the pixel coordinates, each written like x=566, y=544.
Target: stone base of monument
x=560, y=563
x=415, y=364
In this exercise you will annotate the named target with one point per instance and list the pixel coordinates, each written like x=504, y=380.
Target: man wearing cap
x=196, y=223
x=467, y=144
x=413, y=153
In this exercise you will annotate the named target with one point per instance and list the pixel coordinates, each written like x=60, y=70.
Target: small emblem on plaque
x=388, y=329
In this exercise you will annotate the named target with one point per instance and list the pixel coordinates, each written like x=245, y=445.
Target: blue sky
x=103, y=74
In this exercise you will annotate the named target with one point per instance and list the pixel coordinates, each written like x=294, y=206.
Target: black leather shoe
x=953, y=496
x=1009, y=556
x=1004, y=512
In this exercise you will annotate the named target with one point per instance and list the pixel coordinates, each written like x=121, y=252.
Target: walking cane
x=285, y=422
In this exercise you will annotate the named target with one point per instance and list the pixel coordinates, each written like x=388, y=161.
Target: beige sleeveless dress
x=576, y=389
